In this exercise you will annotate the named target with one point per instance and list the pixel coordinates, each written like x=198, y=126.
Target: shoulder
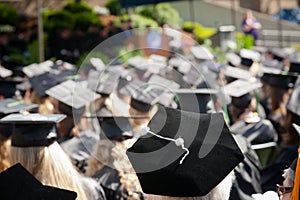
x=92, y=188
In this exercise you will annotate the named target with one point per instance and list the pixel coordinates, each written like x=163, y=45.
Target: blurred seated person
x=244, y=121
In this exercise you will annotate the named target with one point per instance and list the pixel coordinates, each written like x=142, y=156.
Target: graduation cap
x=8, y=87
x=17, y=183
x=294, y=63
x=145, y=96
x=182, y=65
x=237, y=73
x=30, y=130
x=72, y=97
x=201, y=53
x=195, y=100
x=249, y=56
x=283, y=80
x=166, y=85
x=8, y=106
x=43, y=82
x=104, y=82
x=37, y=69
x=278, y=53
x=233, y=59
x=181, y=154
x=293, y=103
x=240, y=92
x=4, y=73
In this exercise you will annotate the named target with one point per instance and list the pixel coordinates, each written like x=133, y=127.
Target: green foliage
x=74, y=7
x=85, y=19
x=57, y=19
x=124, y=54
x=8, y=15
x=244, y=41
x=163, y=13
x=33, y=49
x=200, y=32
x=190, y=26
x=140, y=21
x=114, y=7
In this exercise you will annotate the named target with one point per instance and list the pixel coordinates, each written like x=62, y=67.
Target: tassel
x=295, y=192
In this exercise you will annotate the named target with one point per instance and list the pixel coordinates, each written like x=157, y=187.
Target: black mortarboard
x=8, y=106
x=237, y=73
x=278, y=54
x=8, y=87
x=294, y=63
x=249, y=56
x=164, y=167
x=293, y=103
x=201, y=53
x=115, y=127
x=17, y=183
x=196, y=100
x=166, y=85
x=240, y=92
x=283, y=80
x=43, y=82
x=143, y=95
x=104, y=82
x=33, y=129
x=72, y=94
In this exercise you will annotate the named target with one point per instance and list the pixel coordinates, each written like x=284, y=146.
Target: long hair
x=50, y=165
x=4, y=153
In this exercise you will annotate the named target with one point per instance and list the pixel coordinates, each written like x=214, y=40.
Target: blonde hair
x=4, y=153
x=111, y=152
x=51, y=166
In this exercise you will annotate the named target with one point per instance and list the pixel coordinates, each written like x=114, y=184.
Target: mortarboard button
x=31, y=130
x=169, y=160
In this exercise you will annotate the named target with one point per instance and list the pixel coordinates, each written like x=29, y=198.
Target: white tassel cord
x=179, y=142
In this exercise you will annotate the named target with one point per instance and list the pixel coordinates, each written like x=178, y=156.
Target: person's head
x=33, y=144
x=292, y=136
x=248, y=14
x=220, y=192
x=4, y=152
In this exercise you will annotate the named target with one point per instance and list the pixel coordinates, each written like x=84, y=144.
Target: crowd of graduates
x=80, y=130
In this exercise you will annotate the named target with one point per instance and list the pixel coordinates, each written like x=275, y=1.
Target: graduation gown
x=247, y=173
x=109, y=180
x=79, y=148
x=257, y=132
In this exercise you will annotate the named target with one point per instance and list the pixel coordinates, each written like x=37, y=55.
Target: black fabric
x=247, y=173
x=79, y=148
x=109, y=180
x=256, y=133
x=195, y=176
x=272, y=174
x=17, y=183
x=26, y=135
x=242, y=102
